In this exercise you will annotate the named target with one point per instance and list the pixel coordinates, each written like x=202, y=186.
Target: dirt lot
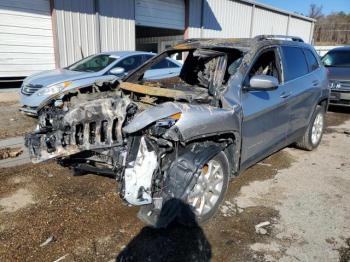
x=13, y=122
x=303, y=196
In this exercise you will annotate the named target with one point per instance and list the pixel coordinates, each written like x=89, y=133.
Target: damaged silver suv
x=235, y=102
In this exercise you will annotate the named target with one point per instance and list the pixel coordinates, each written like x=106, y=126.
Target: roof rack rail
x=279, y=37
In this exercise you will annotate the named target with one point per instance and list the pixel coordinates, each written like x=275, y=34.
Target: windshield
x=337, y=59
x=93, y=63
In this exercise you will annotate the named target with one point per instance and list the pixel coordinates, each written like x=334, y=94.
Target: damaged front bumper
x=91, y=125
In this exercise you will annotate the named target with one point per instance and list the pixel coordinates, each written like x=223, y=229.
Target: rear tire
x=313, y=134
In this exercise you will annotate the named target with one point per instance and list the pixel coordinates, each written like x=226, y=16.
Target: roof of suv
x=341, y=48
x=243, y=44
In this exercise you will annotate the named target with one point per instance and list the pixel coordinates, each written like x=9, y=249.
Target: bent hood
x=195, y=121
x=56, y=76
x=339, y=73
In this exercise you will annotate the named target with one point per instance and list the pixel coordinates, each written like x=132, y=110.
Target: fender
x=196, y=121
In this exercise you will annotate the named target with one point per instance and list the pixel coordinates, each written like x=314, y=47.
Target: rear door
x=265, y=113
x=131, y=62
x=302, y=85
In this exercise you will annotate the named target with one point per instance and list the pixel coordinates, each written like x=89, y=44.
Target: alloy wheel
x=317, y=129
x=208, y=189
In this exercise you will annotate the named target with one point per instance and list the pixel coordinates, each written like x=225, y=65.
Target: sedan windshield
x=93, y=63
x=337, y=59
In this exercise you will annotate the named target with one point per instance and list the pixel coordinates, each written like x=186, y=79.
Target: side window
x=146, y=57
x=294, y=63
x=311, y=60
x=130, y=63
x=266, y=64
x=165, y=63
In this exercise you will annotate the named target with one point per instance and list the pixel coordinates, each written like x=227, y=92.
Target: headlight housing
x=162, y=125
x=168, y=121
x=25, y=80
x=54, y=89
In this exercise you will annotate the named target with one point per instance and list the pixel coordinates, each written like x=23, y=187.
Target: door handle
x=315, y=83
x=285, y=94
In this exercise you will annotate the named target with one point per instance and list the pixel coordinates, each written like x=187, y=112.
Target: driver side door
x=265, y=113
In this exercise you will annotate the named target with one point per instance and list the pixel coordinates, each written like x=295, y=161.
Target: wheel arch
x=232, y=149
x=324, y=102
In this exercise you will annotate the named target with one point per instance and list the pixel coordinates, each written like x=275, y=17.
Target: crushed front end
x=154, y=137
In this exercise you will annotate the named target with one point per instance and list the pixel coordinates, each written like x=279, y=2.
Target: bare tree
x=333, y=29
x=315, y=11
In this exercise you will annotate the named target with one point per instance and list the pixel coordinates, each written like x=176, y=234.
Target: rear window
x=294, y=63
x=311, y=60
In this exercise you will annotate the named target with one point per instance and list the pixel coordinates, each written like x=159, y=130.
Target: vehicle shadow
x=176, y=237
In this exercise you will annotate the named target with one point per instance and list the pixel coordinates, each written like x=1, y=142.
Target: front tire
x=313, y=134
x=209, y=191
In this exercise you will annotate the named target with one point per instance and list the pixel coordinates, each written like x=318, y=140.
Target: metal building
x=43, y=34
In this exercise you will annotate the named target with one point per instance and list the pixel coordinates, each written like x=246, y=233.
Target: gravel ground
x=46, y=214
x=13, y=122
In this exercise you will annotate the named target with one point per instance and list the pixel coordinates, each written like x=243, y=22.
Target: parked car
x=337, y=62
x=234, y=103
x=38, y=88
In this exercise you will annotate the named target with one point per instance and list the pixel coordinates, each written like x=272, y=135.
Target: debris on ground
x=260, y=228
x=229, y=209
x=47, y=241
x=8, y=152
x=61, y=258
x=264, y=164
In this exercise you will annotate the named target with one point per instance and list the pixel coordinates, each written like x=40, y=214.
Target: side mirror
x=263, y=83
x=117, y=71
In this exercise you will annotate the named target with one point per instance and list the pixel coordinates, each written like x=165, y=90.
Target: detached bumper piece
x=91, y=125
x=29, y=110
x=139, y=174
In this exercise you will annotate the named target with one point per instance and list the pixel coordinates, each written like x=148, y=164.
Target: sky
x=302, y=6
